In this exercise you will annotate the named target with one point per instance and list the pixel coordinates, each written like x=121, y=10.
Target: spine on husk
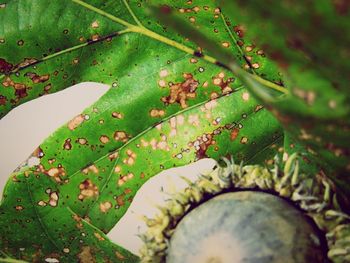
x=313, y=194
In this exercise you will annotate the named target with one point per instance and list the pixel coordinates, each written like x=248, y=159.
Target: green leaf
x=316, y=109
x=307, y=41
x=167, y=106
x=304, y=34
x=318, y=79
x=7, y=259
x=98, y=195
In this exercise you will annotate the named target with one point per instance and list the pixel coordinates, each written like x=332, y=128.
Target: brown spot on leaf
x=5, y=67
x=37, y=78
x=76, y=121
x=78, y=219
x=104, y=139
x=67, y=145
x=20, y=88
x=42, y=203
x=130, y=160
x=225, y=44
x=202, y=144
x=95, y=24
x=120, y=200
x=181, y=92
x=125, y=178
x=121, y=136
x=38, y=152
x=95, y=37
x=239, y=30
x=3, y=100
x=155, y=113
x=258, y=107
x=219, y=80
x=105, y=206
x=245, y=96
x=127, y=191
x=113, y=156
x=86, y=255
x=119, y=255
x=244, y=140
x=234, y=134
x=55, y=172
x=19, y=208
x=82, y=141
x=117, y=115
x=26, y=62
x=87, y=189
x=53, y=199
x=91, y=168
x=98, y=236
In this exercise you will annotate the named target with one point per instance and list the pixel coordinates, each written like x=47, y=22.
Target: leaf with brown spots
x=306, y=41
x=169, y=104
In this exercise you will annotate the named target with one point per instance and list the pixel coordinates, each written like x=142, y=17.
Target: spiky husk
x=313, y=194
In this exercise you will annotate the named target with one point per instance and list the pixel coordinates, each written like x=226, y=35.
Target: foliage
x=307, y=40
x=171, y=102
x=315, y=111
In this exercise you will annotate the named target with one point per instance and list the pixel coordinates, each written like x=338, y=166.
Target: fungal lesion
x=121, y=136
x=77, y=121
x=5, y=66
x=87, y=190
x=3, y=100
x=157, y=113
x=181, y=92
x=57, y=173
x=52, y=200
x=90, y=169
x=67, y=144
x=131, y=157
x=124, y=178
x=105, y=206
x=21, y=89
x=104, y=139
x=224, y=85
x=37, y=78
x=86, y=255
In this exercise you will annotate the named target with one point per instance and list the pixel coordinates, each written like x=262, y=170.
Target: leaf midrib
x=140, y=29
x=67, y=50
x=151, y=34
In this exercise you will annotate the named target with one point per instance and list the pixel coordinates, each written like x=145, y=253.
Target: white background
x=25, y=127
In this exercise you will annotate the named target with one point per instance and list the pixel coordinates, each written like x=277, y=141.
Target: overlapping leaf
x=166, y=107
x=316, y=110
x=307, y=40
